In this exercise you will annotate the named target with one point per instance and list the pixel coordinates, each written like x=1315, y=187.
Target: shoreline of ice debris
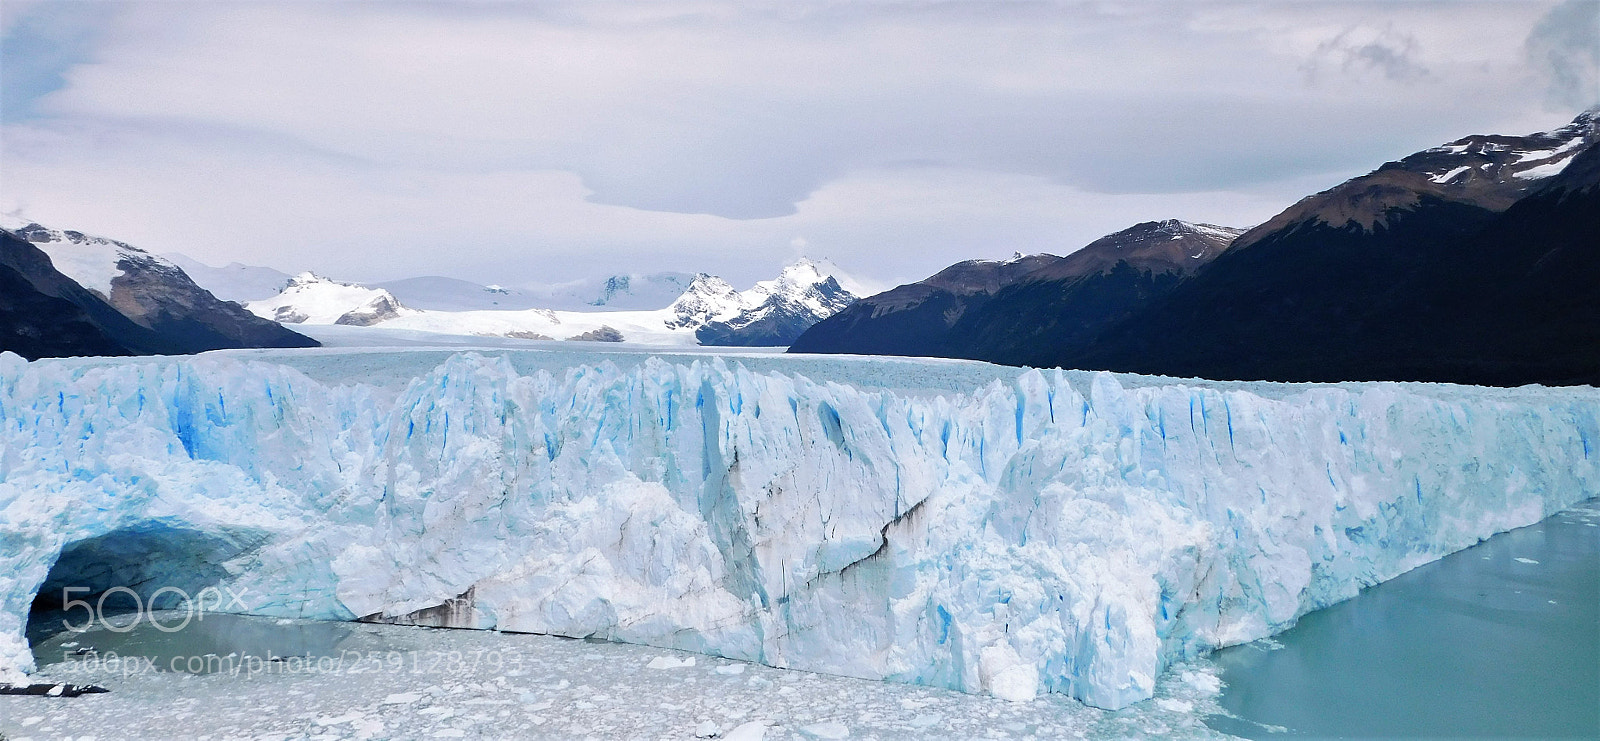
x=502, y=685
x=1050, y=532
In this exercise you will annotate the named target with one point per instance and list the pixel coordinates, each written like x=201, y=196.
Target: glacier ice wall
x=1063, y=532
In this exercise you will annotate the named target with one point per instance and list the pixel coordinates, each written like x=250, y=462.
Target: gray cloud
x=560, y=137
x=1565, y=48
x=1361, y=49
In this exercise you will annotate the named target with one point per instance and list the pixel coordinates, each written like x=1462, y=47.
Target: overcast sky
x=524, y=143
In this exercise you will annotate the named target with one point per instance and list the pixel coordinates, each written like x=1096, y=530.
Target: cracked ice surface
x=1043, y=532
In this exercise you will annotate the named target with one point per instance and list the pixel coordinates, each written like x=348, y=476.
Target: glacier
x=1043, y=531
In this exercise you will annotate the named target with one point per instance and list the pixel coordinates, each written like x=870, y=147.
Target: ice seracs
x=1048, y=532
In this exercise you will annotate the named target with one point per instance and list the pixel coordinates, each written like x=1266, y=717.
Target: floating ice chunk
x=1519, y=559
x=730, y=669
x=401, y=698
x=670, y=662
x=1175, y=705
x=339, y=720
x=1206, y=683
x=707, y=729
x=830, y=729
x=1006, y=675
x=755, y=730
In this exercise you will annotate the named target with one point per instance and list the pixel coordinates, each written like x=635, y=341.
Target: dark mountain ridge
x=152, y=307
x=973, y=308
x=1474, y=262
x=1437, y=285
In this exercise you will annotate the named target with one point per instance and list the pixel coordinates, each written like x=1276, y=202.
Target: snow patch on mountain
x=92, y=262
x=1487, y=171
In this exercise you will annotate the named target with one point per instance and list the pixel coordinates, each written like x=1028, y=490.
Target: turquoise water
x=1501, y=639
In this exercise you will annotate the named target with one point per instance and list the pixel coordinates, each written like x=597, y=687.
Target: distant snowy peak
x=773, y=312
x=707, y=298
x=1487, y=171
x=802, y=284
x=309, y=298
x=93, y=262
x=801, y=288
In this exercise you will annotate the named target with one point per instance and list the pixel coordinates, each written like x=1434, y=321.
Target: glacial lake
x=1501, y=639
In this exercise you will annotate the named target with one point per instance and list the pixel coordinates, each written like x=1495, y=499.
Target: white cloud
x=522, y=142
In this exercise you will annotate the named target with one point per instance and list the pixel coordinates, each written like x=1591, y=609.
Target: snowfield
x=1044, y=532
x=807, y=290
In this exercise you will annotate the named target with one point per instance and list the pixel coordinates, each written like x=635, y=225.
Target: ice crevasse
x=1049, y=532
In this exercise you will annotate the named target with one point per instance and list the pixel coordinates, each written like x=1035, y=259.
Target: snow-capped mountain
x=45, y=314
x=1473, y=262
x=775, y=312
x=152, y=292
x=707, y=299
x=1488, y=171
x=309, y=298
x=93, y=262
x=709, y=311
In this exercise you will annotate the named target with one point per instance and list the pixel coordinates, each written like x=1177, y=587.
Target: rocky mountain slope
x=45, y=314
x=1472, y=262
x=149, y=291
x=1484, y=277
x=979, y=307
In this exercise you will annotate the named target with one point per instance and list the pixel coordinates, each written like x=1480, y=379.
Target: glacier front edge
x=1050, y=531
